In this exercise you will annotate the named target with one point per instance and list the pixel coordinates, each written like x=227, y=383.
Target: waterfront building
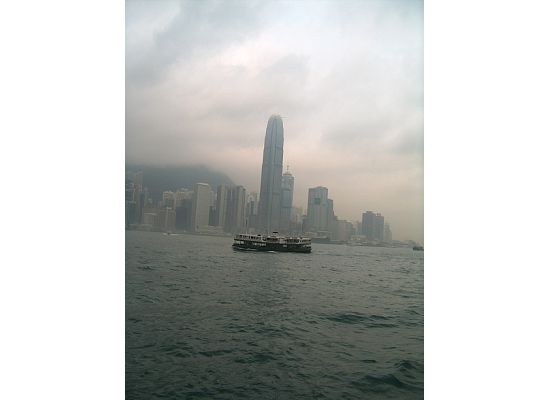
x=296, y=220
x=373, y=226
x=129, y=203
x=251, y=211
x=343, y=231
x=379, y=227
x=319, y=208
x=387, y=233
x=358, y=227
x=221, y=205
x=183, y=214
x=168, y=199
x=149, y=218
x=138, y=178
x=296, y=215
x=202, y=200
x=252, y=204
x=166, y=220
x=287, y=193
x=135, y=196
x=159, y=219
x=181, y=195
x=212, y=215
x=367, y=225
x=269, y=212
x=330, y=211
x=235, y=210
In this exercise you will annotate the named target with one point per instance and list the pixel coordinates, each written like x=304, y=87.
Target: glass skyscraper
x=287, y=193
x=269, y=212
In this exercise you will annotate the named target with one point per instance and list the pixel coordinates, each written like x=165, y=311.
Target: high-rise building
x=387, y=233
x=252, y=203
x=330, y=211
x=235, y=210
x=202, y=200
x=379, y=227
x=251, y=212
x=296, y=219
x=149, y=218
x=319, y=209
x=181, y=195
x=135, y=197
x=221, y=205
x=287, y=191
x=358, y=228
x=138, y=178
x=168, y=199
x=343, y=232
x=269, y=213
x=183, y=214
x=373, y=226
x=160, y=219
x=367, y=225
x=130, y=204
x=166, y=220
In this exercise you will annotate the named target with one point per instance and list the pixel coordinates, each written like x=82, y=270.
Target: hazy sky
x=202, y=79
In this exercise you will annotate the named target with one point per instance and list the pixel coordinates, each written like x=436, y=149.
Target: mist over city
x=274, y=199
x=203, y=78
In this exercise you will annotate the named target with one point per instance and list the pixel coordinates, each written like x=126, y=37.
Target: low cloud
x=347, y=77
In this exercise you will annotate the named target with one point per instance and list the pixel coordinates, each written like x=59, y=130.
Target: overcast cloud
x=202, y=79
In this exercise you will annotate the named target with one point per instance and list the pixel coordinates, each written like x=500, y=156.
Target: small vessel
x=272, y=242
x=418, y=248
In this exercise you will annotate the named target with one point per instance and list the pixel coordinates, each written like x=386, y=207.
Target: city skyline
x=231, y=209
x=348, y=83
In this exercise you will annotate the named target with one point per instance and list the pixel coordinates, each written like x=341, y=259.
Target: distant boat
x=271, y=243
x=418, y=248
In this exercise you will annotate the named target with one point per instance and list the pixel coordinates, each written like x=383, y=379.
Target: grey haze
x=202, y=79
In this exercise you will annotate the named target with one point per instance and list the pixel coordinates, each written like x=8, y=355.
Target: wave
x=372, y=321
x=387, y=383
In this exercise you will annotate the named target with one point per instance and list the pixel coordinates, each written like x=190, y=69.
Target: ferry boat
x=272, y=242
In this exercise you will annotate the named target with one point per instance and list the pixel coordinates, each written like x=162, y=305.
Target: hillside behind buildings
x=157, y=179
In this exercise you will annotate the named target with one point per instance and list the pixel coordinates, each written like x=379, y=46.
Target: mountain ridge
x=157, y=179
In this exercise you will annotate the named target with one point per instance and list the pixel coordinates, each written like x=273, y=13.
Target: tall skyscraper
x=379, y=227
x=235, y=211
x=319, y=209
x=183, y=214
x=368, y=225
x=221, y=205
x=272, y=170
x=202, y=199
x=287, y=190
x=373, y=226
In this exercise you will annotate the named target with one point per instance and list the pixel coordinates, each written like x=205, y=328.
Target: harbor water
x=205, y=321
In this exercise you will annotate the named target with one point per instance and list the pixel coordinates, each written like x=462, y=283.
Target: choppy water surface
x=204, y=321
